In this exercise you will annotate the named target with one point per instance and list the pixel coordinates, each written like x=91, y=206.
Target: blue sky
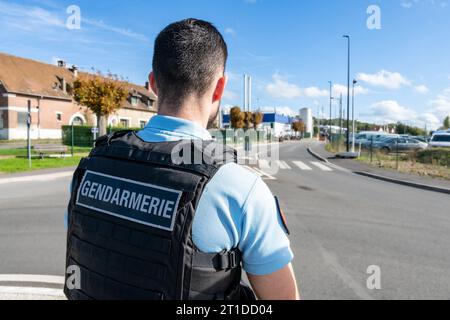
x=291, y=48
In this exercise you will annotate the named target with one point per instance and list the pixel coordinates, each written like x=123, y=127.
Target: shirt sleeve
x=264, y=242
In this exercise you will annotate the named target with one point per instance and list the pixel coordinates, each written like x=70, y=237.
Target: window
x=59, y=117
x=1, y=119
x=125, y=123
x=150, y=103
x=134, y=101
x=77, y=121
x=22, y=119
x=142, y=124
x=441, y=138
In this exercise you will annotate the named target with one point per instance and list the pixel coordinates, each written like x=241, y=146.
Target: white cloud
x=121, y=31
x=36, y=19
x=28, y=16
x=441, y=105
x=314, y=92
x=422, y=89
x=288, y=111
x=390, y=111
x=281, y=88
x=384, y=78
x=230, y=31
x=339, y=89
x=229, y=95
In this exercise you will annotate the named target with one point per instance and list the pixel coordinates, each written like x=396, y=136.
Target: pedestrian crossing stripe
x=283, y=165
x=302, y=166
x=321, y=166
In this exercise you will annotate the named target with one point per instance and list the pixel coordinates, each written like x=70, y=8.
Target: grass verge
x=17, y=165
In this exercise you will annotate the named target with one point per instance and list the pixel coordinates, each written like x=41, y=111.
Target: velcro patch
x=130, y=200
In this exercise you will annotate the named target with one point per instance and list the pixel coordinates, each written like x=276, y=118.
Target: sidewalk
x=357, y=166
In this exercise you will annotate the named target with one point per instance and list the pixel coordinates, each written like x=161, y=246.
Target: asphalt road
x=340, y=225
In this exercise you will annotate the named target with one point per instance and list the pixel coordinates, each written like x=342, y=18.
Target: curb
x=404, y=183
x=315, y=155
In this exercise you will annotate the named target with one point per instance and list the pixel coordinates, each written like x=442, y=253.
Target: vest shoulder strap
x=205, y=157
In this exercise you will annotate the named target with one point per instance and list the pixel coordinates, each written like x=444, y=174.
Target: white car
x=440, y=140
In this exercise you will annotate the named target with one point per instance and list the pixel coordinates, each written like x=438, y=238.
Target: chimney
x=62, y=63
x=147, y=86
x=74, y=70
x=64, y=85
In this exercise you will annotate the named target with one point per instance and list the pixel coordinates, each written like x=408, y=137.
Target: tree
x=248, y=120
x=447, y=123
x=236, y=118
x=257, y=119
x=103, y=95
x=299, y=126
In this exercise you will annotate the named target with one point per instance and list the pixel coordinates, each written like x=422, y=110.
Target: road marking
x=44, y=177
x=302, y=166
x=35, y=293
x=265, y=175
x=260, y=173
x=333, y=262
x=283, y=165
x=253, y=170
x=321, y=166
x=28, y=278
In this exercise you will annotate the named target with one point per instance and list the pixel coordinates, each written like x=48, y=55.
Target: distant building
x=279, y=125
x=307, y=118
x=48, y=88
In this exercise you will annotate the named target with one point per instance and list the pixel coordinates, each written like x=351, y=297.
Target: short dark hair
x=187, y=56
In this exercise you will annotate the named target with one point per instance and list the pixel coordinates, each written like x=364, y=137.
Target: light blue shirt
x=236, y=210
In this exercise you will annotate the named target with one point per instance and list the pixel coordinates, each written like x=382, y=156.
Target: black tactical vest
x=130, y=224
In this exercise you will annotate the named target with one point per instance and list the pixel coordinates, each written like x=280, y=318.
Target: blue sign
x=130, y=200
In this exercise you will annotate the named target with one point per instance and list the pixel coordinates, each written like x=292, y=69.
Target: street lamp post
x=331, y=104
x=353, y=117
x=348, y=95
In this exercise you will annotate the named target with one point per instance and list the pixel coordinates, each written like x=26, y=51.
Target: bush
x=434, y=156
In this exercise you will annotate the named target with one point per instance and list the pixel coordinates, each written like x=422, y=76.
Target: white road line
x=31, y=293
x=265, y=175
x=321, y=166
x=253, y=170
x=31, y=278
x=44, y=177
x=302, y=165
x=283, y=165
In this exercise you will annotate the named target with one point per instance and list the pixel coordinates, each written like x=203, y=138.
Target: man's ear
x=220, y=89
x=152, y=80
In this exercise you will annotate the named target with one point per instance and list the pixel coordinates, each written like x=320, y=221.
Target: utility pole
x=29, y=133
x=331, y=104
x=348, y=95
x=353, y=117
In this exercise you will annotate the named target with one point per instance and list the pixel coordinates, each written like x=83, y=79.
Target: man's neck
x=185, y=113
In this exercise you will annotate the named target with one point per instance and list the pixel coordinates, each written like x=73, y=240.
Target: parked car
x=379, y=138
x=401, y=144
x=365, y=137
x=440, y=140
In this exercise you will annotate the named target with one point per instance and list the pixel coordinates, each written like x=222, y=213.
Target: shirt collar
x=185, y=128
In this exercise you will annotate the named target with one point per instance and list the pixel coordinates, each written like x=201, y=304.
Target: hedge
x=439, y=156
x=83, y=136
